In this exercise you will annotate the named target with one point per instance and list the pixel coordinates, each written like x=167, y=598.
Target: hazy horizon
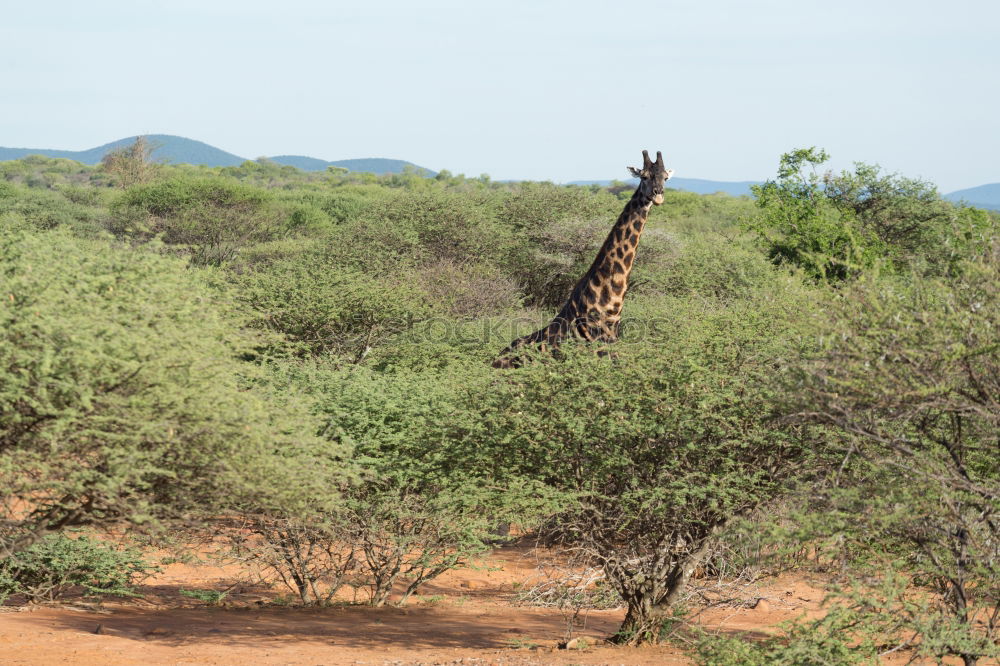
x=546, y=90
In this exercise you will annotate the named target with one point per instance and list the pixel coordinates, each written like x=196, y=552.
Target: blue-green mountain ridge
x=181, y=150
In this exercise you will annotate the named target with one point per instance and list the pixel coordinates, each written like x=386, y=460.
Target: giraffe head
x=652, y=176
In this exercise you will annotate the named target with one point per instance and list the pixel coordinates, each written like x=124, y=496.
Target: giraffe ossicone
x=593, y=310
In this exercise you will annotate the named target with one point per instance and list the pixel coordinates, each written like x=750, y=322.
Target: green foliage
x=415, y=228
x=831, y=640
x=308, y=218
x=466, y=290
x=322, y=309
x=347, y=203
x=910, y=376
x=46, y=209
x=46, y=173
x=655, y=452
x=688, y=214
x=709, y=265
x=211, y=219
x=122, y=396
x=58, y=564
x=327, y=389
x=906, y=221
x=799, y=225
x=422, y=507
x=556, y=234
x=835, y=226
x=210, y=597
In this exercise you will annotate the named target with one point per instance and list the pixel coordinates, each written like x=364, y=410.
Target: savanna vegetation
x=297, y=366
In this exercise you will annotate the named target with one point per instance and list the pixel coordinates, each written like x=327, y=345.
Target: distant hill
x=174, y=149
x=180, y=150
x=696, y=185
x=377, y=165
x=984, y=196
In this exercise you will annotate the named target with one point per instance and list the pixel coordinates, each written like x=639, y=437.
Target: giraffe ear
x=635, y=172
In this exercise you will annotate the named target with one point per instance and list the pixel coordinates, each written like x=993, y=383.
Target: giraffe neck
x=593, y=310
x=617, y=254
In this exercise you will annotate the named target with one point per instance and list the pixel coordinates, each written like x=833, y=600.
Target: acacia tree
x=655, y=453
x=212, y=219
x=123, y=399
x=911, y=377
x=424, y=504
x=836, y=226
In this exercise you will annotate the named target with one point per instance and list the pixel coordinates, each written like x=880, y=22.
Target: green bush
x=123, y=396
x=58, y=564
x=422, y=507
x=467, y=290
x=907, y=220
x=909, y=375
x=708, y=265
x=556, y=233
x=837, y=226
x=348, y=203
x=655, y=453
x=322, y=309
x=834, y=639
x=44, y=209
x=211, y=219
x=415, y=228
x=689, y=214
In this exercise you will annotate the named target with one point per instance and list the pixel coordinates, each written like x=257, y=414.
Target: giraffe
x=593, y=310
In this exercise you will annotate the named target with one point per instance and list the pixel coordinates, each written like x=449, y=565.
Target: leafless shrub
x=572, y=587
x=313, y=561
x=131, y=165
x=466, y=290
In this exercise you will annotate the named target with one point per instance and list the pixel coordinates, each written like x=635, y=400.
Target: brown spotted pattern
x=593, y=310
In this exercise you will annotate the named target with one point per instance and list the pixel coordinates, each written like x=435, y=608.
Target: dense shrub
x=348, y=203
x=710, y=265
x=659, y=450
x=414, y=228
x=46, y=209
x=690, y=214
x=907, y=220
x=351, y=327
x=122, y=396
x=422, y=506
x=59, y=564
x=467, y=290
x=910, y=376
x=211, y=219
x=557, y=232
x=836, y=226
x=321, y=309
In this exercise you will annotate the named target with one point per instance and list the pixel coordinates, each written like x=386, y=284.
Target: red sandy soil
x=464, y=617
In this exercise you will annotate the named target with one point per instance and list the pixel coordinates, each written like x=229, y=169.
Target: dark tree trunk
x=651, y=603
x=643, y=622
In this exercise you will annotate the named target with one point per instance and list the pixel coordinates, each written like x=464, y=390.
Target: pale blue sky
x=543, y=89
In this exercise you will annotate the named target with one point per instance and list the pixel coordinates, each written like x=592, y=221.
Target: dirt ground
x=463, y=617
